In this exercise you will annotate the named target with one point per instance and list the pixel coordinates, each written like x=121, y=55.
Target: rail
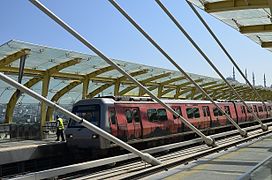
x=55, y=172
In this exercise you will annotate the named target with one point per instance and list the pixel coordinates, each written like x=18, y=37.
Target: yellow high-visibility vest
x=60, y=124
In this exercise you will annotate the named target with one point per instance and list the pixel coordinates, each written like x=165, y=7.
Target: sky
x=104, y=27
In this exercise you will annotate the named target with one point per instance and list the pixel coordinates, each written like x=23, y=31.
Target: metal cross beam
x=13, y=57
x=234, y=5
x=208, y=140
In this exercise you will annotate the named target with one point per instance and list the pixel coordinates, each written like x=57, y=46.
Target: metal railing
x=13, y=132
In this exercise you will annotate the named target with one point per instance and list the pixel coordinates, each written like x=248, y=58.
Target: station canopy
x=250, y=17
x=66, y=76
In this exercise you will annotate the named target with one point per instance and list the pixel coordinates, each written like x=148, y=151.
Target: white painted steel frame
x=146, y=157
x=230, y=58
x=208, y=140
x=242, y=132
x=264, y=128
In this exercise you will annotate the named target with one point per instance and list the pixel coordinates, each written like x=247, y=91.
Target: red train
x=141, y=120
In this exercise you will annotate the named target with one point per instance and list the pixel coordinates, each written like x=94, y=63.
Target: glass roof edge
x=173, y=72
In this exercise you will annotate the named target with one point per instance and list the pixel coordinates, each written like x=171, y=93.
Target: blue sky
x=100, y=23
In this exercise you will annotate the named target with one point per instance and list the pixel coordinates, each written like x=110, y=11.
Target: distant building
x=231, y=79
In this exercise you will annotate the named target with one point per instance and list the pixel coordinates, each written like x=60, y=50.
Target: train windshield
x=90, y=113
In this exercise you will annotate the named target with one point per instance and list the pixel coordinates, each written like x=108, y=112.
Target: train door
x=178, y=124
x=137, y=123
x=134, y=129
x=130, y=124
x=206, y=117
x=193, y=115
x=255, y=110
x=227, y=111
x=113, y=121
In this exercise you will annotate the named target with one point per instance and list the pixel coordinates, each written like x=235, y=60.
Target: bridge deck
x=230, y=164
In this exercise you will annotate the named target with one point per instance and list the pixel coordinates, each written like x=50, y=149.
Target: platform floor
x=16, y=151
x=225, y=165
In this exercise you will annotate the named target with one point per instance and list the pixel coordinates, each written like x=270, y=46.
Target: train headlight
x=69, y=136
x=94, y=136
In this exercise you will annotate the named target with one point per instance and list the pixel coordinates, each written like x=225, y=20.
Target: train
x=140, y=120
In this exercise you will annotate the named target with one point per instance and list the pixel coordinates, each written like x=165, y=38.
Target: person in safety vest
x=60, y=128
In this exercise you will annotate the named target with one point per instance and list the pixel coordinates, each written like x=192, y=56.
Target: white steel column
x=208, y=140
x=146, y=157
x=242, y=132
x=263, y=126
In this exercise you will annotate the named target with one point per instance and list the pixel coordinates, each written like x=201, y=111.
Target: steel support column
x=45, y=86
x=58, y=95
x=14, y=98
x=146, y=157
x=85, y=87
x=242, y=132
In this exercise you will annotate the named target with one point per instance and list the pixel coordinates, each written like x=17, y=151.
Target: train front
x=95, y=111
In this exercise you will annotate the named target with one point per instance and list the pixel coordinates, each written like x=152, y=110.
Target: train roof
x=128, y=99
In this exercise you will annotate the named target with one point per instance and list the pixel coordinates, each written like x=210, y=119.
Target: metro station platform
x=30, y=155
x=233, y=163
x=16, y=151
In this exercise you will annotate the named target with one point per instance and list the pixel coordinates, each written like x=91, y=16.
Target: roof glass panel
x=42, y=58
x=237, y=17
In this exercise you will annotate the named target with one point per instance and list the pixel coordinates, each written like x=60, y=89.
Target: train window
x=192, y=113
x=89, y=112
x=177, y=110
x=227, y=109
x=255, y=108
x=136, y=115
x=260, y=108
x=217, y=112
x=161, y=113
x=128, y=114
x=113, y=116
x=152, y=115
x=250, y=109
x=243, y=109
x=206, y=111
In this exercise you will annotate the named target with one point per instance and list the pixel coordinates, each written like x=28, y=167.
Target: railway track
x=130, y=167
x=140, y=169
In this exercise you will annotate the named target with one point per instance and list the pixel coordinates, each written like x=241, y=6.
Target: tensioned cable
x=208, y=140
x=264, y=127
x=226, y=52
x=242, y=132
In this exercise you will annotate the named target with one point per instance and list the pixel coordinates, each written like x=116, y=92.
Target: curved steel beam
x=261, y=28
x=120, y=79
x=58, y=95
x=153, y=78
x=45, y=75
x=98, y=90
x=234, y=5
x=14, y=98
x=86, y=79
x=13, y=57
